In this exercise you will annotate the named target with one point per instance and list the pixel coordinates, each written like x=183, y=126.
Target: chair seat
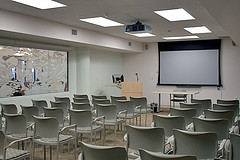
x=53, y=141
x=83, y=130
x=111, y=122
x=15, y=153
x=144, y=111
x=129, y=115
x=19, y=136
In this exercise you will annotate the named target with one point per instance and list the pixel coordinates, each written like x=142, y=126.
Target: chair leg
x=33, y=150
x=50, y=152
x=57, y=151
x=103, y=135
x=146, y=120
x=140, y=121
x=115, y=135
x=95, y=137
x=44, y=152
x=75, y=149
x=91, y=137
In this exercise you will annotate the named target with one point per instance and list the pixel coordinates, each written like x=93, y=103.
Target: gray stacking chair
x=220, y=126
x=234, y=149
x=47, y=133
x=125, y=105
x=61, y=105
x=28, y=112
x=148, y=155
x=81, y=106
x=81, y=100
x=55, y=112
x=64, y=99
x=178, y=97
x=115, y=98
x=141, y=101
x=196, y=106
x=9, y=109
x=201, y=144
x=187, y=113
x=232, y=107
x=40, y=104
x=220, y=114
x=93, y=152
x=86, y=124
x=16, y=127
x=151, y=139
x=111, y=118
x=9, y=153
x=168, y=123
x=80, y=96
x=205, y=103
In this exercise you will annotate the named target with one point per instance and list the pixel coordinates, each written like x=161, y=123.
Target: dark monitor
x=117, y=78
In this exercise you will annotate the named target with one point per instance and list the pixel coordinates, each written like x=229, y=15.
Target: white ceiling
x=217, y=15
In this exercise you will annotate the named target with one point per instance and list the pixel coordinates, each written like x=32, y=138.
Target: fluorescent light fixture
x=180, y=37
x=175, y=14
x=101, y=21
x=141, y=34
x=195, y=30
x=41, y=4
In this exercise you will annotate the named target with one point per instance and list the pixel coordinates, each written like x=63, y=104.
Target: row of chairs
x=149, y=144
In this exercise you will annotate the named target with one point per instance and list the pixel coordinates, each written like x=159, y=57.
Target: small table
x=171, y=92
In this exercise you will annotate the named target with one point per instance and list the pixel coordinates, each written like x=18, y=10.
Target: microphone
x=137, y=76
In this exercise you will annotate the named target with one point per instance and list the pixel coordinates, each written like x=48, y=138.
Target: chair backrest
x=47, y=127
x=220, y=114
x=137, y=101
x=61, y=105
x=151, y=139
x=80, y=96
x=81, y=118
x=9, y=108
x=2, y=143
x=180, y=95
x=220, y=126
x=81, y=106
x=100, y=101
x=93, y=152
x=81, y=100
x=29, y=111
x=201, y=144
x=148, y=155
x=228, y=101
x=55, y=112
x=196, y=106
x=232, y=107
x=107, y=110
x=235, y=143
x=15, y=124
x=98, y=97
x=168, y=123
x=63, y=99
x=40, y=104
x=187, y=113
x=205, y=103
x=115, y=98
x=125, y=105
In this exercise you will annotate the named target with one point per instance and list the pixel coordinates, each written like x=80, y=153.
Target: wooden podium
x=132, y=89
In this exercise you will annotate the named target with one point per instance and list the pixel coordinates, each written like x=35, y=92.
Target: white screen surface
x=190, y=67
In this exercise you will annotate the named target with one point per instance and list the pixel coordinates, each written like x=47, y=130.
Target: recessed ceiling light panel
x=195, y=30
x=141, y=34
x=101, y=21
x=175, y=14
x=41, y=4
x=180, y=37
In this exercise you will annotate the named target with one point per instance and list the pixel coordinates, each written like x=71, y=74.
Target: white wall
x=146, y=64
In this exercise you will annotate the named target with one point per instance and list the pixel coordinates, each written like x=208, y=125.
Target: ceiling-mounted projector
x=138, y=28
